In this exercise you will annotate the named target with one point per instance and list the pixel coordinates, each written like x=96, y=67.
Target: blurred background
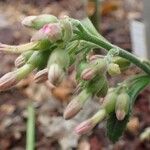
x=121, y=22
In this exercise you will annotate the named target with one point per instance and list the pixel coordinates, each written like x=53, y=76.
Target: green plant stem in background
x=85, y=35
x=30, y=135
x=96, y=16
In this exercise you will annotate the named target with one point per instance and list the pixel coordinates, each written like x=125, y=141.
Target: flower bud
x=122, y=62
x=89, y=124
x=110, y=101
x=67, y=29
x=22, y=59
x=22, y=72
x=84, y=127
x=88, y=74
x=55, y=74
x=113, y=69
x=79, y=69
x=8, y=81
x=76, y=104
x=38, y=22
x=97, y=66
x=51, y=32
x=122, y=105
x=41, y=76
x=12, y=78
x=60, y=57
x=94, y=57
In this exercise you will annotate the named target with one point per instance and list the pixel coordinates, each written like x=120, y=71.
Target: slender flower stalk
x=18, y=48
x=36, y=45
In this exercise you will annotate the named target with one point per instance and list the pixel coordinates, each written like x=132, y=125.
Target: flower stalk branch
x=85, y=35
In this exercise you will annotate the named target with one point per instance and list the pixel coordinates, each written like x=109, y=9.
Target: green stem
x=96, y=16
x=30, y=135
x=108, y=46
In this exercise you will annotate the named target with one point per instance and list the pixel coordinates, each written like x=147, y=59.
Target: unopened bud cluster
x=52, y=50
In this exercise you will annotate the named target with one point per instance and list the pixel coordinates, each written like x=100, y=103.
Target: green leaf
x=91, y=29
x=115, y=128
x=139, y=84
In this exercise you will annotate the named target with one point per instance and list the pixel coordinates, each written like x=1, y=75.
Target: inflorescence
x=59, y=44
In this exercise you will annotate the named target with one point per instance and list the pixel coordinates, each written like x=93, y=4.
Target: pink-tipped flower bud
x=52, y=32
x=120, y=114
x=12, y=78
x=95, y=67
x=94, y=57
x=88, y=74
x=72, y=109
x=89, y=124
x=84, y=127
x=122, y=105
x=8, y=80
x=55, y=74
x=76, y=104
x=38, y=22
x=41, y=76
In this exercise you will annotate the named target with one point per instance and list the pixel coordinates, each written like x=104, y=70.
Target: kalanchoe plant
x=60, y=43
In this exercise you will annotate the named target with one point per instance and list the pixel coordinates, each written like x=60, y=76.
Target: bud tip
x=72, y=109
x=84, y=127
x=120, y=114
